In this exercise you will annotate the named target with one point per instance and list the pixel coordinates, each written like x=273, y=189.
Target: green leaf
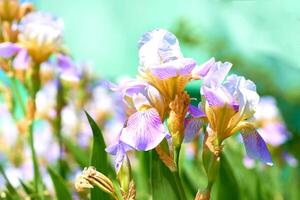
x=163, y=181
x=11, y=191
x=226, y=186
x=27, y=188
x=79, y=154
x=99, y=158
x=60, y=186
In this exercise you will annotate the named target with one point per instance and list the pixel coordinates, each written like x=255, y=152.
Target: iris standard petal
x=22, y=59
x=216, y=96
x=244, y=93
x=181, y=67
x=216, y=74
x=202, y=70
x=256, y=147
x=8, y=49
x=144, y=130
x=158, y=46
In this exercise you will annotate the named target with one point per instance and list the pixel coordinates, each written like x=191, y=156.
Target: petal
x=216, y=96
x=195, y=111
x=181, y=67
x=22, y=59
x=216, y=74
x=144, y=130
x=119, y=151
x=64, y=61
x=244, y=92
x=8, y=49
x=201, y=71
x=158, y=46
x=256, y=147
x=192, y=128
x=72, y=75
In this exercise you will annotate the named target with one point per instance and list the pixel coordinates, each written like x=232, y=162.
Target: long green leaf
x=79, y=154
x=163, y=182
x=99, y=158
x=11, y=191
x=227, y=186
x=61, y=188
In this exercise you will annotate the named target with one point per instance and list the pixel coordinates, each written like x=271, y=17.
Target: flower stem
x=57, y=124
x=176, y=173
x=35, y=85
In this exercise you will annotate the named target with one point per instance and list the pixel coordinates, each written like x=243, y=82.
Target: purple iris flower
x=144, y=128
x=229, y=105
x=162, y=63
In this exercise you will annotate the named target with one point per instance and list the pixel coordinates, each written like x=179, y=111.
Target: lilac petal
x=216, y=74
x=202, y=70
x=158, y=46
x=144, y=130
x=8, y=49
x=21, y=61
x=174, y=68
x=119, y=151
x=64, y=61
x=196, y=112
x=216, y=96
x=256, y=147
x=192, y=128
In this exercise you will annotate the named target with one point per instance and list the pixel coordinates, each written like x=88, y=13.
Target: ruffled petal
x=8, y=49
x=216, y=96
x=244, y=93
x=202, y=70
x=216, y=74
x=158, y=46
x=22, y=60
x=192, y=128
x=181, y=67
x=256, y=147
x=144, y=130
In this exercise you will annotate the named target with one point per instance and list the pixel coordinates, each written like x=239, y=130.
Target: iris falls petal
x=256, y=147
x=144, y=130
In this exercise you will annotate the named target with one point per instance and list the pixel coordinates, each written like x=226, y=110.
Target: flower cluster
x=158, y=107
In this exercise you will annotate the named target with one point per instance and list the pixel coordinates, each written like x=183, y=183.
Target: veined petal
x=202, y=70
x=256, y=147
x=216, y=96
x=173, y=68
x=244, y=93
x=8, y=49
x=119, y=151
x=144, y=130
x=158, y=46
x=195, y=111
x=192, y=128
x=22, y=59
x=216, y=74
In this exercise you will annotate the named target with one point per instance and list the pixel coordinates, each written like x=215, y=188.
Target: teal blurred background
x=260, y=37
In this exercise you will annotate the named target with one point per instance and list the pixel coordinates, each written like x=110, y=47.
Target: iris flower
x=229, y=105
x=41, y=34
x=162, y=64
x=143, y=129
